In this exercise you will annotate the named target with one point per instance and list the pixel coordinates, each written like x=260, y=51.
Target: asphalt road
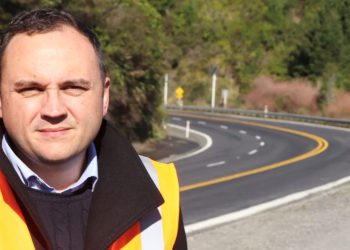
x=240, y=148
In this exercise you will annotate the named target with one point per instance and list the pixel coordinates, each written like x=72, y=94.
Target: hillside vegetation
x=293, y=55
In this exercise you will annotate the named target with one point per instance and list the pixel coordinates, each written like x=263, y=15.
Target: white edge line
x=231, y=217
x=208, y=143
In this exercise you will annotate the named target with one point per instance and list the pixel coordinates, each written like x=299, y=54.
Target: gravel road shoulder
x=320, y=222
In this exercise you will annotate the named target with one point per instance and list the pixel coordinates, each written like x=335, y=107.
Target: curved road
x=255, y=161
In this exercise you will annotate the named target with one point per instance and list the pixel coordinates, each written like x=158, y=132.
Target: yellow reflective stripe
x=14, y=233
x=169, y=188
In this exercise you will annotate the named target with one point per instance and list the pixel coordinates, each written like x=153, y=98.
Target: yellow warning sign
x=179, y=93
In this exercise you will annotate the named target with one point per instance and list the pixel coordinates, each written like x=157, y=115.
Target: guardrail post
x=188, y=129
x=266, y=111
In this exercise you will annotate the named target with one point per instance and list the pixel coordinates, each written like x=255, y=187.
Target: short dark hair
x=46, y=20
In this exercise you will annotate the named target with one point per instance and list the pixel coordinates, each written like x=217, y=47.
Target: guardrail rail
x=261, y=114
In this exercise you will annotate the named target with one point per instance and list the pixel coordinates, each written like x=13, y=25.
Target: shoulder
x=159, y=170
x=146, y=160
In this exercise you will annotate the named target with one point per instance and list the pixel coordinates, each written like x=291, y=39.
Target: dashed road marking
x=253, y=152
x=243, y=132
x=258, y=137
x=176, y=119
x=262, y=144
x=202, y=122
x=223, y=127
x=214, y=164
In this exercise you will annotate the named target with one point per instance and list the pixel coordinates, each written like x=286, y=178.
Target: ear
x=105, y=100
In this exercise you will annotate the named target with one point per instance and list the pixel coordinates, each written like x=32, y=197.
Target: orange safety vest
x=158, y=230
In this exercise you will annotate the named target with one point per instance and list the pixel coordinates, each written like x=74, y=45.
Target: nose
x=53, y=106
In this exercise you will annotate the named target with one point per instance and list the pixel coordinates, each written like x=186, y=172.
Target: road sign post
x=224, y=95
x=213, y=88
x=213, y=85
x=166, y=89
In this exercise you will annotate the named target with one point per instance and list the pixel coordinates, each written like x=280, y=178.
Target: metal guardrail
x=262, y=114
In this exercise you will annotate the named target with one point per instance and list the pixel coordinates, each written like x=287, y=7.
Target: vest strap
x=169, y=188
x=14, y=233
x=158, y=230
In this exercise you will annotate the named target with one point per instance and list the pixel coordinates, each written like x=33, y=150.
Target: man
x=67, y=179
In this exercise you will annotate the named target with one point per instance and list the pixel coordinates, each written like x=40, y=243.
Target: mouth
x=53, y=132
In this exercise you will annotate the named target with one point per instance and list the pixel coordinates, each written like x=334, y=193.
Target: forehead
x=56, y=36
x=61, y=46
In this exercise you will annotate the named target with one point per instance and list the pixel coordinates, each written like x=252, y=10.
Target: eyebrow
x=25, y=83
x=79, y=82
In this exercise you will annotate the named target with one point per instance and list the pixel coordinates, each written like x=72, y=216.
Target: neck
x=57, y=174
x=61, y=175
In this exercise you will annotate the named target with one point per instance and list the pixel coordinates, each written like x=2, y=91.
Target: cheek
x=19, y=112
x=15, y=125
x=86, y=108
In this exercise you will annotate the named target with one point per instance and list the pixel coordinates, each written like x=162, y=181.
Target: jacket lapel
x=124, y=192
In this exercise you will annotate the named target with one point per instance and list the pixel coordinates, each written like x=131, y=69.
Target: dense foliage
x=145, y=39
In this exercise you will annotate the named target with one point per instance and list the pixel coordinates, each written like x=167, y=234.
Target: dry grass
x=297, y=96
x=339, y=107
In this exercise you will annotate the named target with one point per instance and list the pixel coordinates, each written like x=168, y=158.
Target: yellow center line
x=322, y=145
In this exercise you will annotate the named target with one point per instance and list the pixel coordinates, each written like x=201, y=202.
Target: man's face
x=52, y=99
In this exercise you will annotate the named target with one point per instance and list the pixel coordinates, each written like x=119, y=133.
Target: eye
x=30, y=91
x=74, y=90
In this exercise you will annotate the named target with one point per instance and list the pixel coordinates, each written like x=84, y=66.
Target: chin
x=53, y=159
x=56, y=158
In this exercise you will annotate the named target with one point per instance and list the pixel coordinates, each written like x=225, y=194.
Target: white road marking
x=243, y=132
x=231, y=217
x=223, y=127
x=201, y=122
x=262, y=144
x=258, y=137
x=176, y=119
x=238, y=157
x=214, y=164
x=208, y=144
x=253, y=152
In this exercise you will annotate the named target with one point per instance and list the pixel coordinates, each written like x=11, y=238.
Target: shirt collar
x=32, y=180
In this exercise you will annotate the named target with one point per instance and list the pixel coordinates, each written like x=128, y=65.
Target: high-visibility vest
x=156, y=231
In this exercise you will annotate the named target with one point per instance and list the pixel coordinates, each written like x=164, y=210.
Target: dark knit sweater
x=64, y=217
